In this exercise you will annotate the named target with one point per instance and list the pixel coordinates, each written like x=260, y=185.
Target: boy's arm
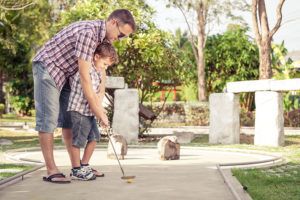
x=90, y=95
x=102, y=85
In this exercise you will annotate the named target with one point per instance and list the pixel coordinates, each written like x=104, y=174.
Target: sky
x=170, y=19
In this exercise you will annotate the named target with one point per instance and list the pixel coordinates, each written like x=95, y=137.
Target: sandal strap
x=57, y=175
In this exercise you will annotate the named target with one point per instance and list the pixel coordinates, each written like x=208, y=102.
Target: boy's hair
x=123, y=16
x=106, y=50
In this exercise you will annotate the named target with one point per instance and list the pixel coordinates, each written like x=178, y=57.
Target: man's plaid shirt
x=78, y=40
x=77, y=101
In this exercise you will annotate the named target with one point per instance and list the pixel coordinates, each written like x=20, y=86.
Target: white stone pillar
x=224, y=118
x=269, y=121
x=126, y=114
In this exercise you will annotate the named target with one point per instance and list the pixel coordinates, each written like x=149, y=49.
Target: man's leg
x=46, y=99
x=65, y=121
x=46, y=142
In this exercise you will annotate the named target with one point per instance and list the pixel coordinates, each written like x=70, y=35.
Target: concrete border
x=238, y=190
x=19, y=176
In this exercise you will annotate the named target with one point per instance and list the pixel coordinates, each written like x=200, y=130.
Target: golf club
x=128, y=178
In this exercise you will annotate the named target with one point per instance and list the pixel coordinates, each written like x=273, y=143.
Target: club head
x=127, y=177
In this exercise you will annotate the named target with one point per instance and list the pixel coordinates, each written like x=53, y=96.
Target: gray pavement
x=194, y=176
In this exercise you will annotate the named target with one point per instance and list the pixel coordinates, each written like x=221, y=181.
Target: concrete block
x=113, y=82
x=224, y=118
x=184, y=137
x=285, y=85
x=248, y=86
x=126, y=114
x=269, y=121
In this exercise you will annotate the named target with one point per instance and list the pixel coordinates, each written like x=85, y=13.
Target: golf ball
x=129, y=181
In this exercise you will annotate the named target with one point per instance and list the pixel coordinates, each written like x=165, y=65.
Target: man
x=69, y=51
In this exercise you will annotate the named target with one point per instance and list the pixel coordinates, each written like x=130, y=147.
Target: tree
x=264, y=35
x=187, y=56
x=207, y=11
x=15, y=4
x=149, y=55
x=231, y=56
x=21, y=32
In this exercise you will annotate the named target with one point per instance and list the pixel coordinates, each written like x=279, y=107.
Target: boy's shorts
x=84, y=129
x=50, y=103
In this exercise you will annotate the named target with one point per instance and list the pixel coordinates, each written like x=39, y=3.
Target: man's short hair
x=123, y=16
x=106, y=50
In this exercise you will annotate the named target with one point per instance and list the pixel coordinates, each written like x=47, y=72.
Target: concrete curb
x=234, y=185
x=19, y=176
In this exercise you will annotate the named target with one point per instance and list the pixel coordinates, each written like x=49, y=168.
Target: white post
x=126, y=114
x=224, y=118
x=269, y=121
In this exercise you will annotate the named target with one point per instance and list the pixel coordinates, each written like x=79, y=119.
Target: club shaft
x=116, y=155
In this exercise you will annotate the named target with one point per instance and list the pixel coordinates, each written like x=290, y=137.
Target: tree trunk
x=201, y=74
x=202, y=96
x=265, y=70
x=1, y=86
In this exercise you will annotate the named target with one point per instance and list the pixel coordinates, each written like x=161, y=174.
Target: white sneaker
x=82, y=174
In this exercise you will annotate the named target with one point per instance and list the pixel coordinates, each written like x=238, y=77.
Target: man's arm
x=90, y=95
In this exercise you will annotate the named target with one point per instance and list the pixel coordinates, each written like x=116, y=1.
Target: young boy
x=84, y=125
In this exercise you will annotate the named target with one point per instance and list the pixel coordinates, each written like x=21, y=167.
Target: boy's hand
x=104, y=120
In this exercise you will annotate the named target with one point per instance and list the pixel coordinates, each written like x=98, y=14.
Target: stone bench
x=269, y=121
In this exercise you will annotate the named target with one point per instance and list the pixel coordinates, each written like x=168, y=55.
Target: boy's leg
x=46, y=97
x=80, y=129
x=88, y=152
x=93, y=138
x=75, y=156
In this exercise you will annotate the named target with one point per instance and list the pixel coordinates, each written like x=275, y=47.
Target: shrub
x=2, y=109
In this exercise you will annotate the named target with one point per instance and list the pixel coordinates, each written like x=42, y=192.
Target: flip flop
x=57, y=178
x=98, y=174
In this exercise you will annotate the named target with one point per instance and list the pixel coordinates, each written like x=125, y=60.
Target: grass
x=22, y=140
x=15, y=118
x=8, y=170
x=275, y=183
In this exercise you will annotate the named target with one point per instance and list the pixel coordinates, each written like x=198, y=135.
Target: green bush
x=2, y=108
x=21, y=104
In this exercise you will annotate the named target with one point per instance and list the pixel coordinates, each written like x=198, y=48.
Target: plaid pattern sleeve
x=85, y=46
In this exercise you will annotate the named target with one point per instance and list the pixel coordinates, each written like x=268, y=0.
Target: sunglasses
x=121, y=35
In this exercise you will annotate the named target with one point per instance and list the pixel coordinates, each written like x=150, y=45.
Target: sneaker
x=82, y=174
x=88, y=168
